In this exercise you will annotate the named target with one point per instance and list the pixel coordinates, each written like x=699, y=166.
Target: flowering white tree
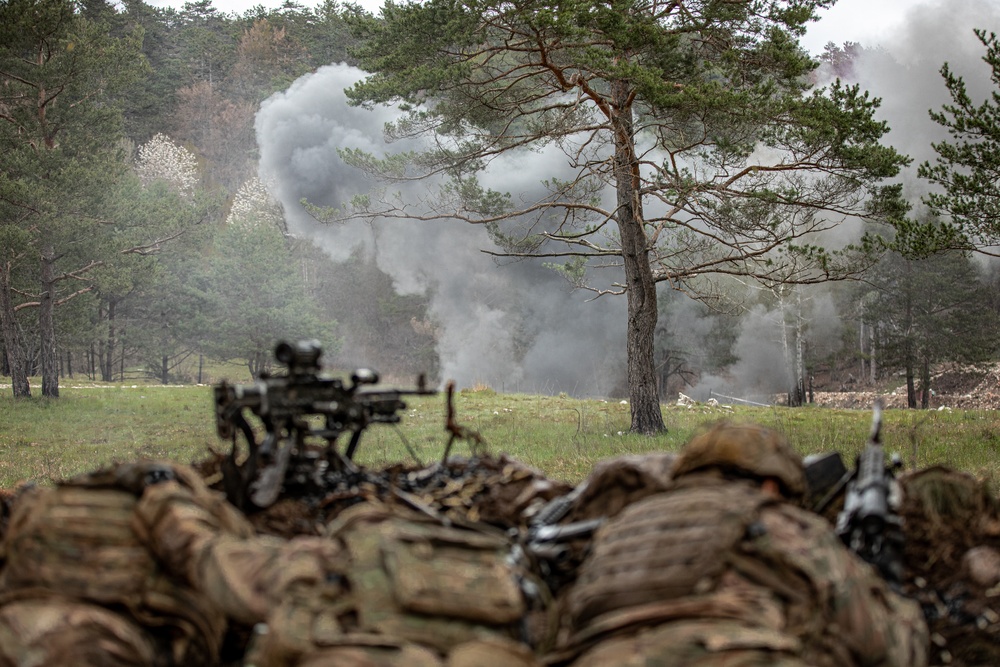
x=162, y=159
x=254, y=205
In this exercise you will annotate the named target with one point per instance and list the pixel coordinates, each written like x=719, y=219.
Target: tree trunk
x=872, y=349
x=108, y=365
x=793, y=393
x=861, y=347
x=99, y=352
x=925, y=384
x=12, y=341
x=800, y=352
x=258, y=363
x=164, y=369
x=47, y=326
x=911, y=389
x=644, y=398
x=787, y=353
x=911, y=393
x=121, y=354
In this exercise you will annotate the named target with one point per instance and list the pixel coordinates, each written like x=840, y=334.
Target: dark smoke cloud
x=514, y=327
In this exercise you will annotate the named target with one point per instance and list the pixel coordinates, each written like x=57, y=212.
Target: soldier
x=387, y=586
x=79, y=585
x=560, y=532
x=724, y=568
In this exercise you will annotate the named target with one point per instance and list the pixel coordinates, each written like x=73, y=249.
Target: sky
x=867, y=22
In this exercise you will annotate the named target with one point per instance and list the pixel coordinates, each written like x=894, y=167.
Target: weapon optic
x=295, y=407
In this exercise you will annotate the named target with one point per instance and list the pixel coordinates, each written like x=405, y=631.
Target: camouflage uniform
x=80, y=587
x=715, y=571
x=385, y=587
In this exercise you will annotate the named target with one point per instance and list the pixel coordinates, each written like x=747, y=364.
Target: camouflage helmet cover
x=749, y=448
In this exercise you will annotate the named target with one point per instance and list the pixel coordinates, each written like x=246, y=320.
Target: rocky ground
x=975, y=387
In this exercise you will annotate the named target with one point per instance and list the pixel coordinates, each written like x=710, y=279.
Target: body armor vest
x=77, y=543
x=421, y=581
x=663, y=548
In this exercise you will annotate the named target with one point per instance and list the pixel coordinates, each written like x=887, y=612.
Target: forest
x=674, y=203
x=136, y=236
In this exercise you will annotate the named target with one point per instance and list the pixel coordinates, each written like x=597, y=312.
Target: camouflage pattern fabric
x=57, y=633
x=244, y=576
x=387, y=586
x=618, y=482
x=78, y=562
x=740, y=579
x=716, y=643
x=407, y=655
x=659, y=551
x=407, y=582
x=414, y=579
x=487, y=652
x=749, y=448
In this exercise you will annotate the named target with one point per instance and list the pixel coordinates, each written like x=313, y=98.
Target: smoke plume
x=514, y=327
x=903, y=69
x=518, y=326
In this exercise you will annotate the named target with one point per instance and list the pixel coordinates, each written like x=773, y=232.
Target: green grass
x=42, y=439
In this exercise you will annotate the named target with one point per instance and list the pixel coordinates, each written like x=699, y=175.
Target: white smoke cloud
x=905, y=73
x=903, y=69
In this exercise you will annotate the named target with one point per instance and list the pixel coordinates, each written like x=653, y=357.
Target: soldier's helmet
x=746, y=449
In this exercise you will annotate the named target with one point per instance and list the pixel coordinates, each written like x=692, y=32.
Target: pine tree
x=693, y=145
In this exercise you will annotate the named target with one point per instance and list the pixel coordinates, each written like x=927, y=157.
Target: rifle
x=868, y=524
x=555, y=548
x=282, y=404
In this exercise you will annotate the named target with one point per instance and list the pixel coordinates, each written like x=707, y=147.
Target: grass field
x=91, y=426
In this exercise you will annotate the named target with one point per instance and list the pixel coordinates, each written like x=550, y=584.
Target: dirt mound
x=496, y=491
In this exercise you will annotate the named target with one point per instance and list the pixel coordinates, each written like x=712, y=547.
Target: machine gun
x=868, y=524
x=284, y=404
